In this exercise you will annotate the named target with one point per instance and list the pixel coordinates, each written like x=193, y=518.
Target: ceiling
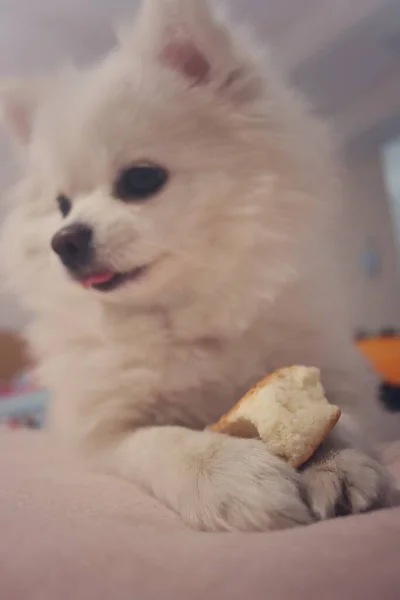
x=344, y=54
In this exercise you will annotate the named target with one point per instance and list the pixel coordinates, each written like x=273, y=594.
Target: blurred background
x=344, y=55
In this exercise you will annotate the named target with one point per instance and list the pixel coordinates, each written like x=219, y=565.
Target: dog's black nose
x=73, y=244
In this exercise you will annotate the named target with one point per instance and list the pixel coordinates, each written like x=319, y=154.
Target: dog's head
x=173, y=166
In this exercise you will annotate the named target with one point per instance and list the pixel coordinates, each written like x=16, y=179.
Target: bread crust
x=244, y=428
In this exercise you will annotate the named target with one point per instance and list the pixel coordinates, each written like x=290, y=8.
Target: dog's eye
x=64, y=204
x=139, y=182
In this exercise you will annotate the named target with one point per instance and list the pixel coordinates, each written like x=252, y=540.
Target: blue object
x=30, y=404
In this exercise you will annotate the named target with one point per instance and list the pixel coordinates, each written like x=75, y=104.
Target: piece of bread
x=287, y=410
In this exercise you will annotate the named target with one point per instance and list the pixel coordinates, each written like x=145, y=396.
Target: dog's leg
x=344, y=477
x=214, y=482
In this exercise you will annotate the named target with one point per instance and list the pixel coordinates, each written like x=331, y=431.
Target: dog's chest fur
x=153, y=368
x=141, y=371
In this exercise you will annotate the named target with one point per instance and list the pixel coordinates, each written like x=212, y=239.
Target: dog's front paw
x=347, y=481
x=240, y=486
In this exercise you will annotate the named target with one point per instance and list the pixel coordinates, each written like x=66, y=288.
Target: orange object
x=384, y=355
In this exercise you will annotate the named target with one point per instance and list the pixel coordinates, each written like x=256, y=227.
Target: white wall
x=391, y=162
x=374, y=300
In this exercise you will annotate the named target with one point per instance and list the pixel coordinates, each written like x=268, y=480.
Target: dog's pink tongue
x=92, y=280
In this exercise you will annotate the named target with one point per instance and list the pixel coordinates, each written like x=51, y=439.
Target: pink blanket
x=66, y=534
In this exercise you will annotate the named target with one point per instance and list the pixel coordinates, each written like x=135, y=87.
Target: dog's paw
x=345, y=482
x=240, y=486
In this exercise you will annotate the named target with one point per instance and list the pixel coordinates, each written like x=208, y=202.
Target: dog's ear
x=187, y=36
x=19, y=102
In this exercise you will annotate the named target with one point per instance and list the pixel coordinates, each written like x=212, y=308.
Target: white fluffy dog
x=168, y=236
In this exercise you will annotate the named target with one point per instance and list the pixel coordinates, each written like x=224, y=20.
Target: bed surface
x=68, y=534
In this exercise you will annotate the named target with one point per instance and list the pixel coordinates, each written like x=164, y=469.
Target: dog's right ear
x=194, y=40
x=19, y=102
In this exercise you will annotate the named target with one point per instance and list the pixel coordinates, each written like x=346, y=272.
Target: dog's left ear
x=19, y=102
x=187, y=37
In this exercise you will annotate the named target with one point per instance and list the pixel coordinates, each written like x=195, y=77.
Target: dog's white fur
x=242, y=279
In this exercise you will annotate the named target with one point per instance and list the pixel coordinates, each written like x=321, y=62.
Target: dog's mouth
x=107, y=281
